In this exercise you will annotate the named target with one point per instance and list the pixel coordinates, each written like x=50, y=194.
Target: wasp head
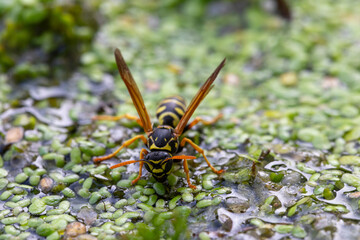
x=159, y=164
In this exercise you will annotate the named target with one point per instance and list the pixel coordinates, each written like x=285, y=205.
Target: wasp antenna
x=125, y=163
x=181, y=157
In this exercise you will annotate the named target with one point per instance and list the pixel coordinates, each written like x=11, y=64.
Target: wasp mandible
x=162, y=141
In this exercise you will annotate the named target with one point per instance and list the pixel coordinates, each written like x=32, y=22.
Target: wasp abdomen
x=170, y=111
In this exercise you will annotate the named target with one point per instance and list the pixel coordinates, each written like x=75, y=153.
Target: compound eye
x=168, y=166
x=147, y=167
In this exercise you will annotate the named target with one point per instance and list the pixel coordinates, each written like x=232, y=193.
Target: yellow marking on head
x=156, y=138
x=155, y=162
x=150, y=166
x=157, y=170
x=160, y=175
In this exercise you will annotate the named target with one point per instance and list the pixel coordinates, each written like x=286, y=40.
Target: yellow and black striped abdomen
x=170, y=111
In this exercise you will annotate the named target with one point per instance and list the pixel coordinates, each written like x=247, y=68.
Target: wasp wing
x=201, y=94
x=133, y=91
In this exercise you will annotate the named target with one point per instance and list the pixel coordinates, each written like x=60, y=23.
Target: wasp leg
x=203, y=121
x=200, y=150
x=116, y=118
x=142, y=155
x=186, y=169
x=125, y=144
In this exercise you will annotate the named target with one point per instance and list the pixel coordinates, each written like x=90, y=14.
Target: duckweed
x=37, y=207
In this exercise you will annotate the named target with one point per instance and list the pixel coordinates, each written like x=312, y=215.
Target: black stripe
x=170, y=109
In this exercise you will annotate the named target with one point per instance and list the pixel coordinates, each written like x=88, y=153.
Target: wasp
x=164, y=140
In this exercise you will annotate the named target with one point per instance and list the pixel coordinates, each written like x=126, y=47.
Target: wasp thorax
x=157, y=164
x=164, y=139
